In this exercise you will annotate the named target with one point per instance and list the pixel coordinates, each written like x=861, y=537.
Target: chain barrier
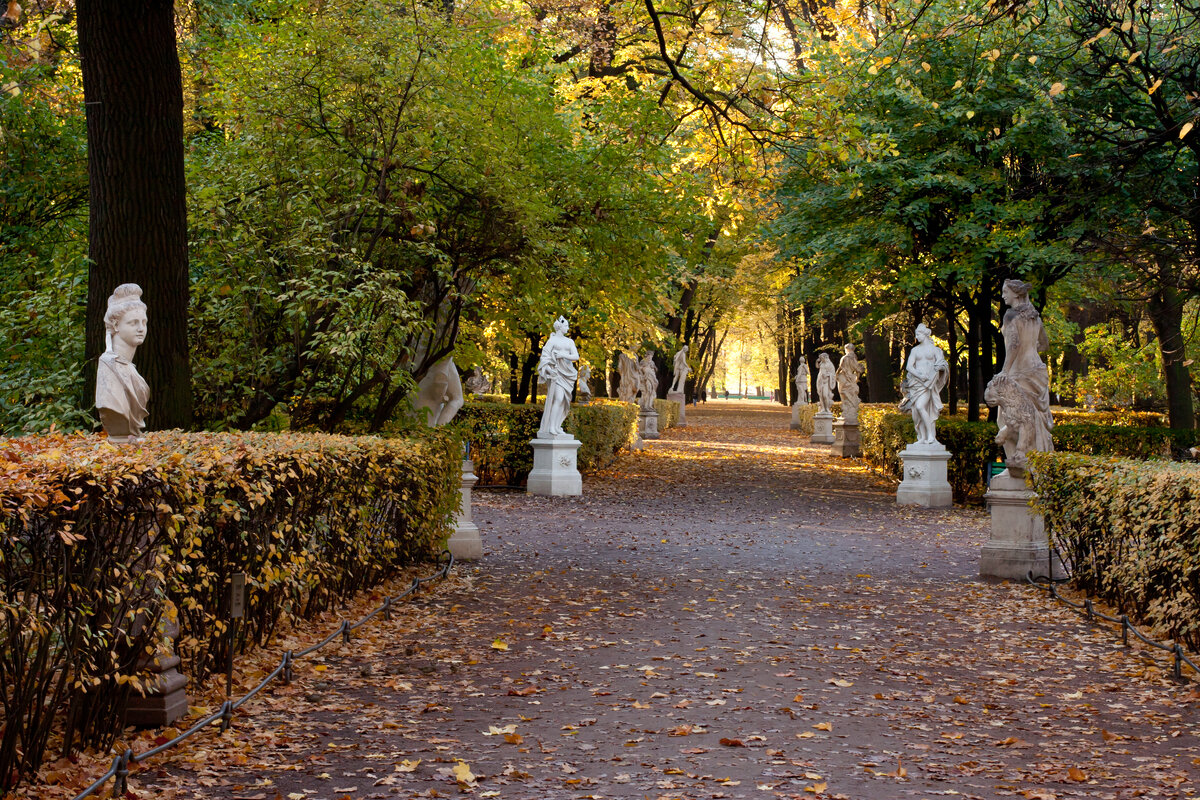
x=119, y=771
x=1089, y=610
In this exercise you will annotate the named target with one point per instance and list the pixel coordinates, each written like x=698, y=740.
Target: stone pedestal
x=166, y=701
x=465, y=543
x=796, y=415
x=925, y=482
x=554, y=469
x=1018, y=544
x=678, y=397
x=648, y=424
x=845, y=439
x=822, y=428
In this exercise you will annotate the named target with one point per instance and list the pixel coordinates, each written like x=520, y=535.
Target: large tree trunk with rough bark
x=138, y=217
x=1166, y=312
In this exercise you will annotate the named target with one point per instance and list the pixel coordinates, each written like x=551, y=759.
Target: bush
x=500, y=433
x=99, y=541
x=668, y=413
x=1124, y=442
x=809, y=410
x=1127, y=530
x=885, y=432
x=1125, y=418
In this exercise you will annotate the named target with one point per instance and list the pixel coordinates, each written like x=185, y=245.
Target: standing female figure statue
x=557, y=369
x=1022, y=387
x=647, y=372
x=826, y=381
x=121, y=393
x=925, y=375
x=802, y=382
x=681, y=370
x=848, y=372
x=627, y=388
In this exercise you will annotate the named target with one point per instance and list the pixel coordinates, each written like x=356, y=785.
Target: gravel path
x=731, y=613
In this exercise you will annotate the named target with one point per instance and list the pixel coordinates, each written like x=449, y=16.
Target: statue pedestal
x=796, y=415
x=925, y=482
x=1018, y=544
x=648, y=424
x=166, y=699
x=678, y=397
x=822, y=428
x=465, y=543
x=845, y=439
x=555, y=473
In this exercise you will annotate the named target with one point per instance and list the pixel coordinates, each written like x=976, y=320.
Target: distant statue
x=557, y=368
x=583, y=392
x=647, y=381
x=925, y=375
x=627, y=369
x=681, y=370
x=478, y=383
x=848, y=372
x=1021, y=389
x=802, y=382
x=826, y=381
x=440, y=393
x=121, y=393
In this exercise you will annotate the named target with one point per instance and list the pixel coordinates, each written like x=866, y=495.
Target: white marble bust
x=121, y=393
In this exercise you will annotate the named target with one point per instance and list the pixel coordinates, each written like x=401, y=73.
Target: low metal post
x=237, y=610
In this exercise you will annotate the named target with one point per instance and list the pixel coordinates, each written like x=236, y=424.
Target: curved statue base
x=925, y=482
x=678, y=397
x=822, y=428
x=1018, y=544
x=648, y=424
x=465, y=543
x=845, y=439
x=555, y=473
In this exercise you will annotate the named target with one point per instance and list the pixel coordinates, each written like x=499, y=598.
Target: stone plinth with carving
x=845, y=439
x=465, y=543
x=678, y=397
x=555, y=472
x=1018, y=545
x=822, y=428
x=648, y=424
x=925, y=480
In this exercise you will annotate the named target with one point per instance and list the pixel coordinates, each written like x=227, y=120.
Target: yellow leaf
x=494, y=731
x=925, y=66
x=1133, y=57
x=1076, y=774
x=408, y=765
x=1185, y=130
x=1154, y=88
x=957, y=84
x=1057, y=89
x=824, y=726
x=970, y=114
x=463, y=774
x=499, y=644
x=817, y=788
x=1033, y=59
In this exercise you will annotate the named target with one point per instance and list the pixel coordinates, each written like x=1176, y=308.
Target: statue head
x=923, y=332
x=561, y=325
x=1015, y=291
x=849, y=349
x=125, y=319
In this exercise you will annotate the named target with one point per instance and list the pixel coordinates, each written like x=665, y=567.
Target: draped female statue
x=1021, y=389
x=557, y=368
x=848, y=372
x=121, y=393
x=925, y=375
x=826, y=381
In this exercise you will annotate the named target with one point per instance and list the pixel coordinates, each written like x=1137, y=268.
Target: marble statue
x=681, y=370
x=557, y=368
x=925, y=375
x=647, y=380
x=440, y=393
x=583, y=393
x=478, y=383
x=826, y=381
x=121, y=393
x=848, y=372
x=802, y=382
x=628, y=370
x=1022, y=387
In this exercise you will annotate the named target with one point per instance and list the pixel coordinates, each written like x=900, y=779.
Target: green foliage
x=1113, y=440
x=1127, y=531
x=668, y=413
x=99, y=542
x=604, y=428
x=809, y=410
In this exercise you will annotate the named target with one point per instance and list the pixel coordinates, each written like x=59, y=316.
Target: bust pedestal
x=845, y=439
x=925, y=482
x=555, y=473
x=465, y=543
x=166, y=699
x=648, y=424
x=822, y=428
x=1018, y=544
x=678, y=397
x=796, y=415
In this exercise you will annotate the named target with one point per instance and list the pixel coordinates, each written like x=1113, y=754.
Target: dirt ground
x=732, y=613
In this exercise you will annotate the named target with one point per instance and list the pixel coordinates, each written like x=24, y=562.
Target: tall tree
x=137, y=229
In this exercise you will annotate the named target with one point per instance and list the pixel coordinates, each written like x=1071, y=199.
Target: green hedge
x=1128, y=531
x=809, y=410
x=99, y=542
x=499, y=434
x=668, y=414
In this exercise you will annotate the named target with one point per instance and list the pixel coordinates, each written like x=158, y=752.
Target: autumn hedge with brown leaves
x=100, y=544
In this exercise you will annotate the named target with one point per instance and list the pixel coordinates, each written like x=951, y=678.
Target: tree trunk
x=881, y=387
x=137, y=224
x=974, y=368
x=1166, y=312
x=514, y=378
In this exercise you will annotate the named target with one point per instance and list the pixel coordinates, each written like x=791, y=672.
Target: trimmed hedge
x=668, y=414
x=1128, y=531
x=808, y=411
x=99, y=542
x=499, y=434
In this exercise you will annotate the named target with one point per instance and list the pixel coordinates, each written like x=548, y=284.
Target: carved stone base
x=796, y=416
x=678, y=397
x=845, y=439
x=167, y=699
x=648, y=424
x=1018, y=545
x=925, y=482
x=555, y=472
x=465, y=543
x=822, y=428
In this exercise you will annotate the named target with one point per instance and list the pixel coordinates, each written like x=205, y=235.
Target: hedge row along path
x=731, y=614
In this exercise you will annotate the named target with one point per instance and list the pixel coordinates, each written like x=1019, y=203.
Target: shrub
x=1127, y=530
x=1124, y=417
x=499, y=434
x=97, y=541
x=668, y=413
x=885, y=432
x=1124, y=442
x=809, y=410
